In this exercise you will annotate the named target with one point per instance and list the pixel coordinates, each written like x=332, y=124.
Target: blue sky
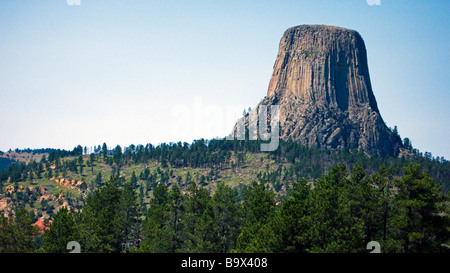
x=139, y=72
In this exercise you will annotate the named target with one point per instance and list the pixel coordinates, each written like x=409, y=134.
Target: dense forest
x=5, y=163
x=333, y=201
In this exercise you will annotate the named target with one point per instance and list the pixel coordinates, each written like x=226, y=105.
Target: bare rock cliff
x=322, y=86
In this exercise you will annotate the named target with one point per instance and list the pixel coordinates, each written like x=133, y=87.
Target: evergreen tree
x=16, y=234
x=92, y=158
x=129, y=214
x=118, y=155
x=155, y=229
x=365, y=203
x=188, y=178
x=198, y=221
x=49, y=173
x=104, y=151
x=101, y=216
x=61, y=231
x=332, y=225
x=407, y=144
x=383, y=183
x=287, y=228
x=418, y=225
x=98, y=179
x=226, y=217
x=176, y=210
x=259, y=204
x=133, y=180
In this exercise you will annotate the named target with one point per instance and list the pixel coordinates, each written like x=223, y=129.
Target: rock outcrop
x=322, y=86
x=71, y=183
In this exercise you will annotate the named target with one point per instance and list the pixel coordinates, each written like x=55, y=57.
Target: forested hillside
x=225, y=196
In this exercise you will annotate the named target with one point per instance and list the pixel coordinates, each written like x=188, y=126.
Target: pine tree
x=365, y=203
x=418, y=224
x=259, y=204
x=61, y=231
x=118, y=156
x=332, y=225
x=226, y=217
x=104, y=151
x=198, y=221
x=155, y=229
x=383, y=183
x=133, y=180
x=49, y=173
x=176, y=210
x=129, y=214
x=98, y=179
x=92, y=158
x=101, y=219
x=287, y=228
x=407, y=144
x=16, y=234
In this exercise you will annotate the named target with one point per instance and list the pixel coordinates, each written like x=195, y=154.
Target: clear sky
x=136, y=72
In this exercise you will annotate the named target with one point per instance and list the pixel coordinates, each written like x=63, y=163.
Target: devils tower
x=321, y=84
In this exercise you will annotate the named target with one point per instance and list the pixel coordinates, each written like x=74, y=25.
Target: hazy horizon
x=138, y=72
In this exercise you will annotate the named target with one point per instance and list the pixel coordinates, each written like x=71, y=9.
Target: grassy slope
x=246, y=173
x=237, y=177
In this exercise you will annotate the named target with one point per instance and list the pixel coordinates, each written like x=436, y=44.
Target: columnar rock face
x=322, y=86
